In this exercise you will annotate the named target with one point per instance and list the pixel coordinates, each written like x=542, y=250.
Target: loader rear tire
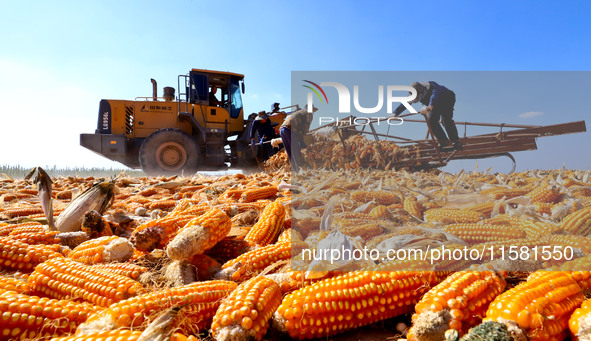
x=248, y=159
x=169, y=152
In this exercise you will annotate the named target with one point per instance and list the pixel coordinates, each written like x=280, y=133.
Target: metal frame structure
x=426, y=153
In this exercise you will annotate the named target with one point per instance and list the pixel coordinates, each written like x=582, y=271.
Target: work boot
x=443, y=144
x=458, y=145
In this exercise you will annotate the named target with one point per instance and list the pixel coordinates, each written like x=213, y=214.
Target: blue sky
x=59, y=58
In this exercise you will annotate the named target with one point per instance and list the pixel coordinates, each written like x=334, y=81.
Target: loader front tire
x=169, y=152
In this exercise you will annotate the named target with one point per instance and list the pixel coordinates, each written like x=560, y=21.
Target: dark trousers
x=444, y=111
x=265, y=150
x=292, y=147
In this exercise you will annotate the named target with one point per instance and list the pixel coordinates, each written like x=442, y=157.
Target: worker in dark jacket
x=439, y=102
x=263, y=128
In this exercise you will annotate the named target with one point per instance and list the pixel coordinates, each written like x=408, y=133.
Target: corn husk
x=99, y=198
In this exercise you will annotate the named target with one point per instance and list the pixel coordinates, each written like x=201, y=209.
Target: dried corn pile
x=360, y=152
x=277, y=162
x=223, y=257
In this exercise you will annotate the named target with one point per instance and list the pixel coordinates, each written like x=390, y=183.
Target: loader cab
x=230, y=87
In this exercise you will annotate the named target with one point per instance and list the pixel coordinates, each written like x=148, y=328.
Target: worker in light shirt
x=292, y=133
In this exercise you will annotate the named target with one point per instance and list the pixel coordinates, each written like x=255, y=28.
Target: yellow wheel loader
x=201, y=128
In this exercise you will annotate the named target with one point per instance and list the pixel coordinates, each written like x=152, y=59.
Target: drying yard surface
x=322, y=254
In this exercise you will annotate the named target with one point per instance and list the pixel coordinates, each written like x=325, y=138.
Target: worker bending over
x=439, y=102
x=292, y=133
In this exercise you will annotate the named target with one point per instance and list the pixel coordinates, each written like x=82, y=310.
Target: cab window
x=236, y=100
x=199, y=90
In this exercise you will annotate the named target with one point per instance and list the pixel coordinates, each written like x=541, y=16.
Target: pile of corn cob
x=357, y=152
x=220, y=257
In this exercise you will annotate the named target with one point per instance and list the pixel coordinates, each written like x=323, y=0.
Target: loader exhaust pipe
x=154, y=89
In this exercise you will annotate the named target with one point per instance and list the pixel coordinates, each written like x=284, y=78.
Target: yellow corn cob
x=502, y=219
x=485, y=208
x=541, y=306
x=205, y=266
x=352, y=216
x=545, y=194
x=199, y=235
x=102, y=250
x=292, y=280
x=267, y=228
x=26, y=228
x=5, y=229
x=148, y=191
x=118, y=334
x=246, y=312
x=448, y=215
x=308, y=202
x=508, y=193
x=385, y=198
x=231, y=195
x=308, y=225
x=130, y=270
x=40, y=237
x=579, y=269
x=578, y=323
x=538, y=229
x=566, y=240
x=21, y=256
x=189, y=207
x=198, y=300
x=351, y=300
x=544, y=208
x=395, y=206
x=8, y=197
x=63, y=278
x=229, y=248
x=165, y=205
x=255, y=194
x=412, y=206
x=191, y=189
x=288, y=235
x=21, y=212
x=29, y=191
x=253, y=262
x=64, y=195
x=480, y=233
x=366, y=231
x=181, y=337
x=129, y=207
x=578, y=222
x=233, y=209
x=158, y=232
x=17, y=285
x=459, y=302
x=31, y=317
x=138, y=199
x=380, y=212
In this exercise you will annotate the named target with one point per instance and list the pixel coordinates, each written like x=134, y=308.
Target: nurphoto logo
x=344, y=96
